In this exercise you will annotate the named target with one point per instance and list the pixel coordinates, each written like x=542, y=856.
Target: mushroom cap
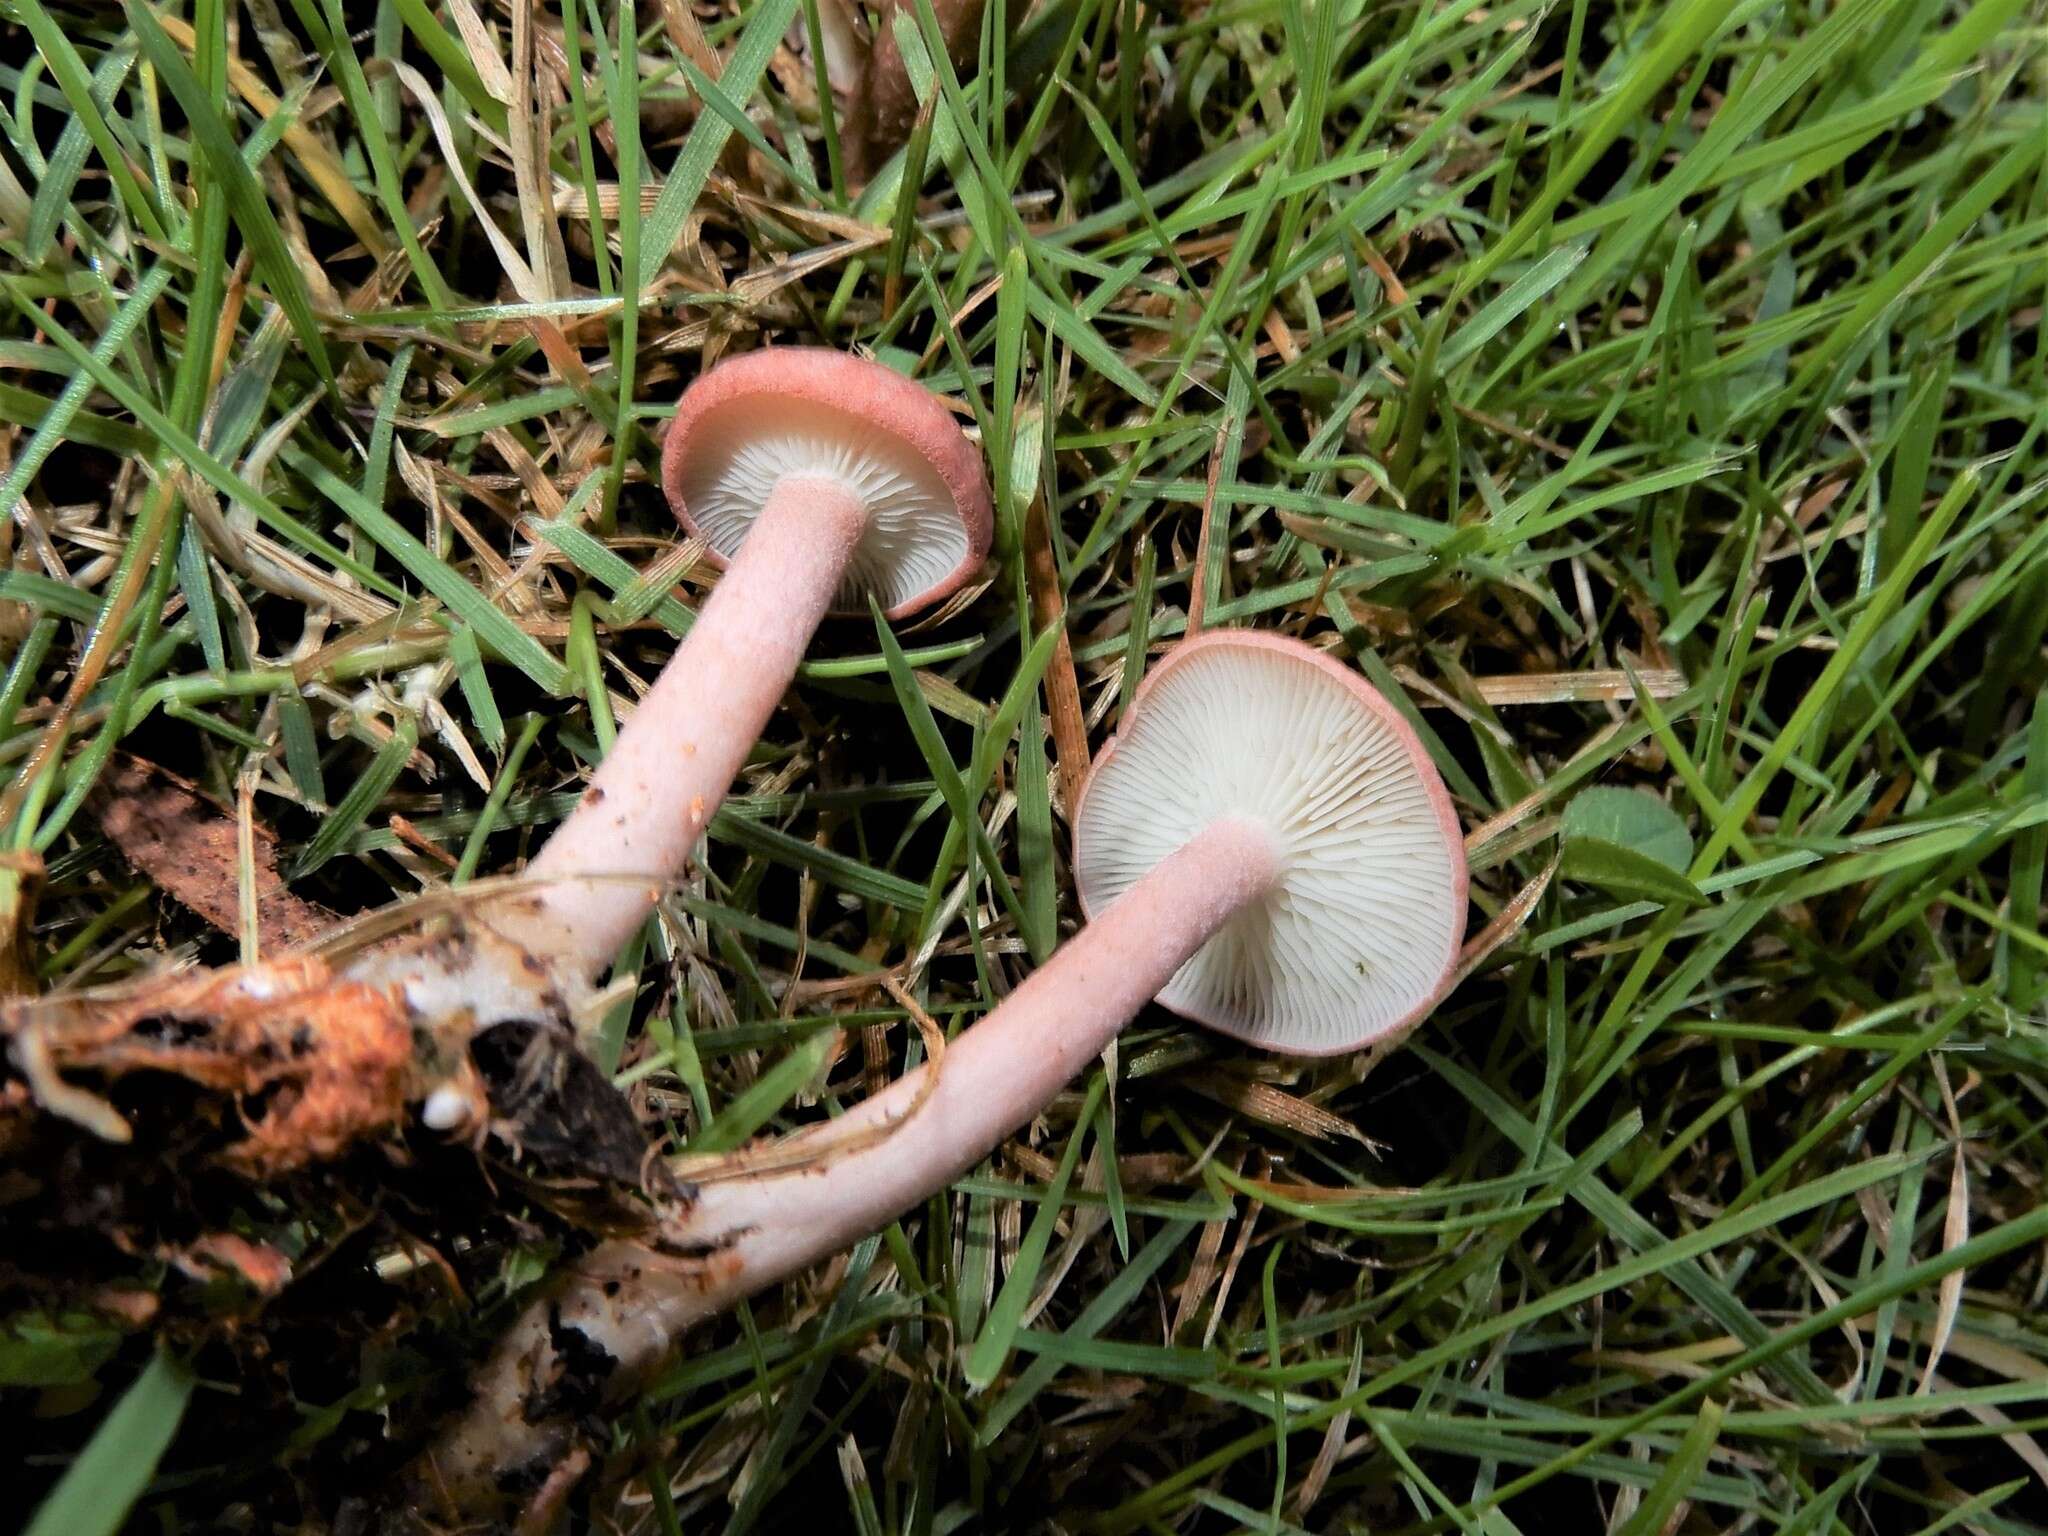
x=753, y=420
x=1358, y=935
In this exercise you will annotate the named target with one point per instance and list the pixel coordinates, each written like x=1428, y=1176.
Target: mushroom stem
x=630, y=1306
x=651, y=798
x=995, y=1076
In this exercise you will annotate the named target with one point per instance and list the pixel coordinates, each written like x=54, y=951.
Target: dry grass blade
x=321, y=166
x=531, y=176
x=2027, y=1447
x=516, y=270
x=1246, y=1225
x=1506, y=924
x=483, y=51
x=1194, y=1287
x=1198, y=591
x=1309, y=1491
x=99, y=651
x=1275, y=1106
x=1576, y=687
x=819, y=1145
x=1062, y=686
x=1955, y=1231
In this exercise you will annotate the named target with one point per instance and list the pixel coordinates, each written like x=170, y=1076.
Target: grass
x=1650, y=397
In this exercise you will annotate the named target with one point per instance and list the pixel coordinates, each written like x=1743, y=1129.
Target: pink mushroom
x=1265, y=847
x=817, y=479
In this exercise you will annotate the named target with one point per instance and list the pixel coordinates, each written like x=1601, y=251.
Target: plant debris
x=304, y=1063
x=188, y=846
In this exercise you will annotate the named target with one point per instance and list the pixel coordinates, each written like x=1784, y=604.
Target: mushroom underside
x=1357, y=930
x=741, y=449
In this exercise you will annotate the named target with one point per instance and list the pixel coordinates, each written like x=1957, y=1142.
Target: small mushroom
x=1353, y=866
x=1265, y=847
x=817, y=479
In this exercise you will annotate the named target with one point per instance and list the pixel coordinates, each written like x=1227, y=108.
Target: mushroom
x=1265, y=847
x=817, y=479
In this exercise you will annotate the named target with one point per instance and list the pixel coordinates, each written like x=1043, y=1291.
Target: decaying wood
x=330, y=1057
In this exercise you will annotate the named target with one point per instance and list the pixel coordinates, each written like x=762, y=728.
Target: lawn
x=1649, y=399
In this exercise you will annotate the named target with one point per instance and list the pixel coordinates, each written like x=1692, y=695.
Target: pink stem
x=998, y=1074
x=633, y=1306
x=651, y=798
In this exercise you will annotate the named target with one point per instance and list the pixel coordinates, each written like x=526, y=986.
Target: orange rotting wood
x=329, y=1056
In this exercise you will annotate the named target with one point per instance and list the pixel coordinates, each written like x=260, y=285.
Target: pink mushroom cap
x=1359, y=934
x=817, y=413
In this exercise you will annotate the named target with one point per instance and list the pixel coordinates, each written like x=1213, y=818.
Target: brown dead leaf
x=185, y=844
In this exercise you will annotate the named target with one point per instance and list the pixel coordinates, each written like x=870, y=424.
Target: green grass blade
x=251, y=210
x=992, y=1345
x=97, y=1491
